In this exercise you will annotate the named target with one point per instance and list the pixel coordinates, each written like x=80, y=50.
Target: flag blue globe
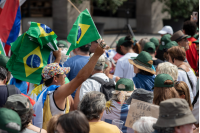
x=33, y=61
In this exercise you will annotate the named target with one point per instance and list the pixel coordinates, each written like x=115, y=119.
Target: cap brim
x=162, y=32
x=150, y=70
x=189, y=119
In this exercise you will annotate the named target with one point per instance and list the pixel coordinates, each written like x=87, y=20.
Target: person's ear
x=55, y=79
x=5, y=81
x=183, y=31
x=182, y=96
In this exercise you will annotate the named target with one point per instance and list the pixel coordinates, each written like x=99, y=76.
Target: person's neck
x=95, y=71
x=82, y=53
x=152, y=55
x=95, y=120
x=178, y=63
x=130, y=51
x=2, y=82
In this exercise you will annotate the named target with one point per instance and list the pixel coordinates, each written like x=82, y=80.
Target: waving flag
x=31, y=51
x=10, y=17
x=83, y=31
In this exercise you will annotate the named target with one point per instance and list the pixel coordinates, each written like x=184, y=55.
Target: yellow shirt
x=103, y=127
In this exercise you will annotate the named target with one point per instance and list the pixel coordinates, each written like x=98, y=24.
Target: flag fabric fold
x=30, y=55
x=83, y=31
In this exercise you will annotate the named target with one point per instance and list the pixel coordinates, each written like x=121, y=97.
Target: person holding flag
x=54, y=99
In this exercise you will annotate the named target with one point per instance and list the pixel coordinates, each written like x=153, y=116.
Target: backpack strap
x=187, y=77
x=10, y=90
x=101, y=81
x=195, y=99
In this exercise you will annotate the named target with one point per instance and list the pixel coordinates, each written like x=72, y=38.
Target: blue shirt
x=22, y=86
x=144, y=81
x=75, y=63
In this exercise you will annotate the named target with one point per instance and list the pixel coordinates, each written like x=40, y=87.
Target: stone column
x=149, y=16
x=64, y=16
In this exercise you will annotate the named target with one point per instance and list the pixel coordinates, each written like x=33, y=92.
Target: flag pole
x=74, y=6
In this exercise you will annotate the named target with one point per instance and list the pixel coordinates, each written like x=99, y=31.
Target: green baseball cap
x=122, y=40
x=149, y=47
x=10, y=121
x=143, y=61
x=160, y=80
x=3, y=60
x=62, y=44
x=170, y=44
x=19, y=103
x=164, y=40
x=124, y=84
x=155, y=41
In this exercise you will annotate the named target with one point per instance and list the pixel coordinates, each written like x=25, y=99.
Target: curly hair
x=92, y=104
x=164, y=93
x=168, y=68
x=190, y=27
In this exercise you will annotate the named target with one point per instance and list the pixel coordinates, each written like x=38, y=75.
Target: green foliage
x=180, y=8
x=105, y=4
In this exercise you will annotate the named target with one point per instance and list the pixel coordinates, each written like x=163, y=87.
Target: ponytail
x=137, y=48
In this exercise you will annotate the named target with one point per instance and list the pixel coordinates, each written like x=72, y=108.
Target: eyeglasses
x=177, y=82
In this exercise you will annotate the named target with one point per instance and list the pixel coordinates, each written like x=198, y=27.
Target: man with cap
x=10, y=121
x=116, y=108
x=151, y=49
x=175, y=116
x=54, y=99
x=166, y=30
x=129, y=48
x=164, y=40
x=155, y=41
x=23, y=107
x=92, y=84
x=6, y=90
x=77, y=62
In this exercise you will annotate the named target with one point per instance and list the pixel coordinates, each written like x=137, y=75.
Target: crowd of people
x=96, y=85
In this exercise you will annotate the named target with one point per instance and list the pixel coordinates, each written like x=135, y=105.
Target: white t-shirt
x=91, y=84
x=123, y=68
x=182, y=76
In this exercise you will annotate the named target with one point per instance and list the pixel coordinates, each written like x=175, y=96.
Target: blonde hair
x=182, y=88
x=144, y=125
x=51, y=125
x=168, y=68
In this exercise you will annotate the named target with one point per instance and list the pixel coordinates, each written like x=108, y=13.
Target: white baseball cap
x=166, y=30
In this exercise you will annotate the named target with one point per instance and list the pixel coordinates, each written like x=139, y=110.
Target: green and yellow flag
x=83, y=31
x=31, y=51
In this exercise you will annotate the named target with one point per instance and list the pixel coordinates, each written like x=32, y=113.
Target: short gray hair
x=144, y=125
x=92, y=104
x=168, y=68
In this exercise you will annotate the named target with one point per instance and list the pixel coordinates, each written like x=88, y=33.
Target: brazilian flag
x=31, y=51
x=83, y=31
